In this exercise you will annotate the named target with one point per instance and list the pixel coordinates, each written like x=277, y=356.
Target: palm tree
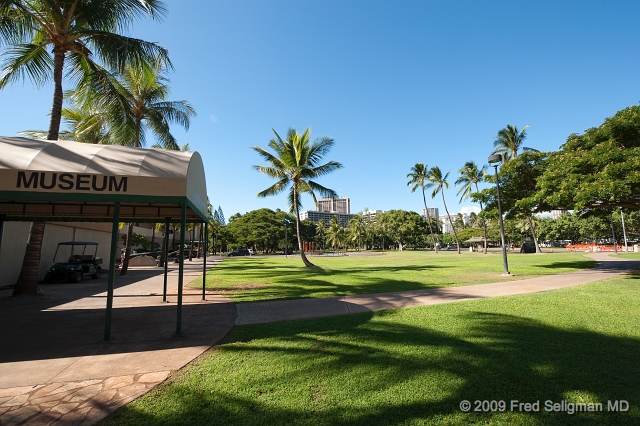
x=335, y=233
x=417, y=178
x=50, y=39
x=469, y=178
x=134, y=103
x=294, y=164
x=509, y=141
x=320, y=233
x=85, y=124
x=439, y=183
x=357, y=229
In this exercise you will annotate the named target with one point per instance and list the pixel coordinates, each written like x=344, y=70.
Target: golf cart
x=73, y=260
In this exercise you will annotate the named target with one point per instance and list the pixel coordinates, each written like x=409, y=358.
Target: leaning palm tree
x=439, y=183
x=52, y=39
x=469, y=178
x=509, y=141
x=294, y=163
x=417, y=178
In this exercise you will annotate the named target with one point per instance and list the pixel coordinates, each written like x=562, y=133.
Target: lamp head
x=495, y=158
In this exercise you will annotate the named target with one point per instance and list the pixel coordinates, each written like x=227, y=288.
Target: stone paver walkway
x=73, y=403
x=55, y=369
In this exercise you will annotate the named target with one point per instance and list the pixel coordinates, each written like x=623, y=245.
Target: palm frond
x=26, y=60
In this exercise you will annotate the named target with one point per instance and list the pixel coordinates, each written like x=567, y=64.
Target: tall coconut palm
x=320, y=233
x=357, y=229
x=509, y=141
x=295, y=161
x=469, y=178
x=417, y=178
x=48, y=40
x=439, y=183
x=335, y=233
x=134, y=102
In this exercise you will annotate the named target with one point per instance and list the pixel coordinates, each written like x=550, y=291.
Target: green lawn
x=413, y=366
x=246, y=279
x=634, y=256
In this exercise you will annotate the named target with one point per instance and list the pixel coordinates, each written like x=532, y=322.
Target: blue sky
x=393, y=82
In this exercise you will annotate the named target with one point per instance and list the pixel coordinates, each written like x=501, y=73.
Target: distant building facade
x=315, y=216
x=446, y=225
x=335, y=205
x=370, y=215
x=557, y=213
x=433, y=212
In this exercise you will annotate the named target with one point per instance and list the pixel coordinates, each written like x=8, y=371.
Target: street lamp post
x=494, y=160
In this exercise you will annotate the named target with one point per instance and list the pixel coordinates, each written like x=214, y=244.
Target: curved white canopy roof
x=56, y=178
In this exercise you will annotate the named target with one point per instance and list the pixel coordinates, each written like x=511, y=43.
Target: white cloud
x=469, y=209
x=213, y=118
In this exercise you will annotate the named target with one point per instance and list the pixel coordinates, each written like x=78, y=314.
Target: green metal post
x=112, y=270
x=183, y=227
x=2, y=218
x=166, y=258
x=205, y=250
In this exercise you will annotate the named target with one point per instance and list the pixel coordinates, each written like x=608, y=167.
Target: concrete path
x=285, y=310
x=55, y=367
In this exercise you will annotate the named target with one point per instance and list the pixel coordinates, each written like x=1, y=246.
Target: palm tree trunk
x=533, y=234
x=426, y=209
x=484, y=224
x=127, y=251
x=455, y=234
x=56, y=107
x=28, y=280
x=153, y=236
x=295, y=205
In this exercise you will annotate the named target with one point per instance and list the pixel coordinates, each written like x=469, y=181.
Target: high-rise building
x=335, y=205
x=315, y=216
x=433, y=212
x=557, y=213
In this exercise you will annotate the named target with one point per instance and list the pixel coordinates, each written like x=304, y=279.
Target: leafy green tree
x=418, y=178
x=597, y=170
x=509, y=141
x=469, y=178
x=402, y=227
x=50, y=39
x=296, y=160
x=438, y=181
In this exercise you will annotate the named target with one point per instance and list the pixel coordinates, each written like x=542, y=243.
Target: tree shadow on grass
x=491, y=357
x=576, y=264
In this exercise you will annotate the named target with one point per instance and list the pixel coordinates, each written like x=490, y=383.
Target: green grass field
x=245, y=279
x=414, y=366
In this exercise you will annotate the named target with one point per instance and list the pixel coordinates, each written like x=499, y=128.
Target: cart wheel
x=97, y=274
x=48, y=278
x=76, y=277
